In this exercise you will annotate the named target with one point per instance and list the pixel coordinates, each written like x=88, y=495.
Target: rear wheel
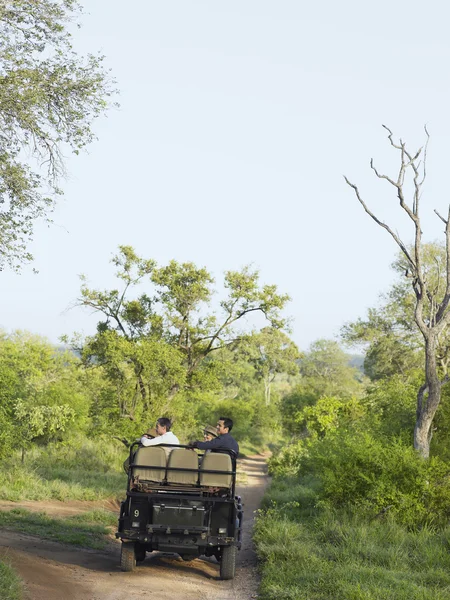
x=228, y=562
x=128, y=557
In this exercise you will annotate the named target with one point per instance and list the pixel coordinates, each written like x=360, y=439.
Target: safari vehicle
x=185, y=504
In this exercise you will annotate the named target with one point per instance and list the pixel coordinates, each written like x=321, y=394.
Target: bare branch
x=380, y=176
x=390, y=138
x=441, y=217
x=384, y=225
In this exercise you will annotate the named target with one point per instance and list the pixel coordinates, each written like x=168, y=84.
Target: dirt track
x=54, y=571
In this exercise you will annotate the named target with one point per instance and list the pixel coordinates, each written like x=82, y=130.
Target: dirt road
x=54, y=571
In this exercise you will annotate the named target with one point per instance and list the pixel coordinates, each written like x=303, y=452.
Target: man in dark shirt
x=224, y=440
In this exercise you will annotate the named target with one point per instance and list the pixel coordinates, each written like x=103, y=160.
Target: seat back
x=150, y=456
x=215, y=461
x=182, y=458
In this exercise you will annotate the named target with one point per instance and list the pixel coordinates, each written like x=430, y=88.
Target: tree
x=40, y=422
x=49, y=97
x=325, y=372
x=174, y=319
x=391, y=347
x=431, y=296
x=271, y=352
x=42, y=391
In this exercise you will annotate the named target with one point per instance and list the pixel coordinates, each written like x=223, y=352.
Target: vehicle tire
x=140, y=553
x=128, y=557
x=228, y=562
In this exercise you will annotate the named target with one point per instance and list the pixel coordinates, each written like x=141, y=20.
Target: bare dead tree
x=431, y=312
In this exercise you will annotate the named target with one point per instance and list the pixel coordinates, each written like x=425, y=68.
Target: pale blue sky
x=237, y=121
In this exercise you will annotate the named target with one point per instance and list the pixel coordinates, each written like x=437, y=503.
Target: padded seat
x=215, y=461
x=182, y=458
x=150, y=456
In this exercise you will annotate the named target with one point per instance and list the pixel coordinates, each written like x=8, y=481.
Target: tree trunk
x=267, y=391
x=428, y=399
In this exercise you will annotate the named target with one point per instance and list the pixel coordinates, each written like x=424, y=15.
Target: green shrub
x=374, y=474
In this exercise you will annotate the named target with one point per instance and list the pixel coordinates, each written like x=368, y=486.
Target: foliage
x=325, y=373
x=38, y=422
x=308, y=553
x=49, y=98
x=42, y=391
x=373, y=476
x=167, y=345
x=393, y=343
x=270, y=352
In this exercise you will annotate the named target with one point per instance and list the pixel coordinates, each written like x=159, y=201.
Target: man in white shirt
x=164, y=435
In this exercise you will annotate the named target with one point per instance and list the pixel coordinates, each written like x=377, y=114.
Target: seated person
x=224, y=439
x=164, y=435
x=209, y=433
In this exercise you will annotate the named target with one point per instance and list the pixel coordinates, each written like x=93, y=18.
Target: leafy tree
x=40, y=422
x=271, y=352
x=41, y=391
x=390, y=349
x=393, y=343
x=325, y=373
x=49, y=97
x=163, y=340
x=431, y=294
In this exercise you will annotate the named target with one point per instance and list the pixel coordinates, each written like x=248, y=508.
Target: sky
x=237, y=121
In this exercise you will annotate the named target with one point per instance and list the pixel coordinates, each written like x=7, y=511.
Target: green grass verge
x=309, y=554
x=90, y=529
x=88, y=470
x=59, y=483
x=10, y=584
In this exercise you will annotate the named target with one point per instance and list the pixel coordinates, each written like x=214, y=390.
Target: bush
x=311, y=553
x=374, y=475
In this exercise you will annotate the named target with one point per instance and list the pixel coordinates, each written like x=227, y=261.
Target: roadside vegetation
x=313, y=553
x=10, y=584
x=90, y=529
x=354, y=510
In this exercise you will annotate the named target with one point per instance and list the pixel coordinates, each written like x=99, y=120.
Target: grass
x=89, y=530
x=10, y=584
x=247, y=448
x=88, y=471
x=312, y=554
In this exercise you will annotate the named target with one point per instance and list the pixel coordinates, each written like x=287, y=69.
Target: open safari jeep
x=185, y=504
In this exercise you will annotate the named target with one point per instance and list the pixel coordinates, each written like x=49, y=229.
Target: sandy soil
x=53, y=571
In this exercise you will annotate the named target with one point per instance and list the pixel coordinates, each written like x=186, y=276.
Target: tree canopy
x=158, y=332
x=49, y=98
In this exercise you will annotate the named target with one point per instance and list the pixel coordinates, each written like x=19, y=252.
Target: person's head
x=224, y=425
x=163, y=425
x=209, y=433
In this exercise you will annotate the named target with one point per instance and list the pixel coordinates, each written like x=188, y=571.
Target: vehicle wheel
x=140, y=553
x=228, y=562
x=127, y=557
